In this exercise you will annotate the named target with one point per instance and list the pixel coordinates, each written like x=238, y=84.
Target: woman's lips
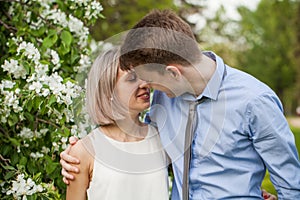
x=144, y=96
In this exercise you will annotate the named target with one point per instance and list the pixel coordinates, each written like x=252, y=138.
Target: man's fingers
x=67, y=158
x=66, y=181
x=67, y=167
x=67, y=175
x=73, y=140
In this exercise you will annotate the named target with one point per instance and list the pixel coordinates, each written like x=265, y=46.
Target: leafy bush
x=45, y=52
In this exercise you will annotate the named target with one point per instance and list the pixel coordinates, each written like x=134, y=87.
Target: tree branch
x=47, y=122
x=4, y=159
x=10, y=28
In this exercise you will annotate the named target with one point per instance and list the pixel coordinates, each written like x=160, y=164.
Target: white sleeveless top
x=128, y=170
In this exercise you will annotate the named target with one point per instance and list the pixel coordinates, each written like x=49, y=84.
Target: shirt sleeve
x=274, y=142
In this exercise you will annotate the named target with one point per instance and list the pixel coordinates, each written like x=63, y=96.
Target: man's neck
x=200, y=74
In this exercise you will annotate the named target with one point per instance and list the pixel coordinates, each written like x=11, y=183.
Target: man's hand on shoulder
x=66, y=162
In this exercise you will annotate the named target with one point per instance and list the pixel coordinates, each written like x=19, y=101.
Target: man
x=239, y=128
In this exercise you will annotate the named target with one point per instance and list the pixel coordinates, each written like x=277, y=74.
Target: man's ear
x=174, y=71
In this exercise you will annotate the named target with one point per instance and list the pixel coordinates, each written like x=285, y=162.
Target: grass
x=267, y=184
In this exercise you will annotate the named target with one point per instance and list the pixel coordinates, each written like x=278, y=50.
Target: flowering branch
x=46, y=46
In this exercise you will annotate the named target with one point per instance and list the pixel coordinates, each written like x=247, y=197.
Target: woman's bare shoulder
x=82, y=150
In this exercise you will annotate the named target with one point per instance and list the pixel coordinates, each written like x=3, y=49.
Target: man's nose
x=144, y=84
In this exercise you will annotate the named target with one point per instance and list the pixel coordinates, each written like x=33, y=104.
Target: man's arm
x=66, y=161
x=275, y=143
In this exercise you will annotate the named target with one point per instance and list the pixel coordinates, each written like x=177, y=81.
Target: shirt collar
x=212, y=88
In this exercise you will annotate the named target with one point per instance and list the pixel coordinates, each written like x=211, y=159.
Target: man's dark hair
x=160, y=37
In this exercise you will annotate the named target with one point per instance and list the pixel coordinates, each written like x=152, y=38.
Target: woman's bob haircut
x=103, y=104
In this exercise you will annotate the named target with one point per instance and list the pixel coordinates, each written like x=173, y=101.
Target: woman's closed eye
x=132, y=77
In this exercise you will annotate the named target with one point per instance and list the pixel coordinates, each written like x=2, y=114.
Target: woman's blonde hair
x=103, y=104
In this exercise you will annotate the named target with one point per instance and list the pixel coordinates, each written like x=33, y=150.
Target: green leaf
x=32, y=167
x=37, y=102
x=66, y=37
x=23, y=161
x=52, y=32
x=74, y=56
x=15, y=141
x=8, y=167
x=29, y=105
x=5, y=149
x=29, y=116
x=13, y=119
x=51, y=100
x=37, y=176
x=50, y=167
x=38, y=32
x=102, y=16
x=64, y=48
x=50, y=41
x=9, y=175
x=14, y=158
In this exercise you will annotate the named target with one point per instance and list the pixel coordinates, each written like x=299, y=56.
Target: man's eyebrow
x=131, y=71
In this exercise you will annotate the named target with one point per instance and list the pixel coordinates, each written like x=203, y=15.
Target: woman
x=122, y=158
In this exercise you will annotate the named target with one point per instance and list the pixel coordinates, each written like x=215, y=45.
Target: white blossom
x=55, y=146
x=93, y=9
x=45, y=150
x=57, y=16
x=36, y=25
x=45, y=92
x=13, y=67
x=30, y=51
x=22, y=187
x=55, y=58
x=84, y=64
x=6, y=84
x=75, y=25
x=5, y=112
x=26, y=133
x=28, y=17
x=41, y=70
x=37, y=86
x=36, y=155
x=11, y=100
x=55, y=84
x=64, y=141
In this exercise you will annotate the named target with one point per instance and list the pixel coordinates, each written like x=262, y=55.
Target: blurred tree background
x=273, y=50
x=265, y=42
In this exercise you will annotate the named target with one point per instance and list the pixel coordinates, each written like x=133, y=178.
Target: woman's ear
x=174, y=71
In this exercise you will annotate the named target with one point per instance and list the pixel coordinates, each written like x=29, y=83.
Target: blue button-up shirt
x=240, y=131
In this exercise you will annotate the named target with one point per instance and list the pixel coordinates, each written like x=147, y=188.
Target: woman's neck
x=127, y=130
